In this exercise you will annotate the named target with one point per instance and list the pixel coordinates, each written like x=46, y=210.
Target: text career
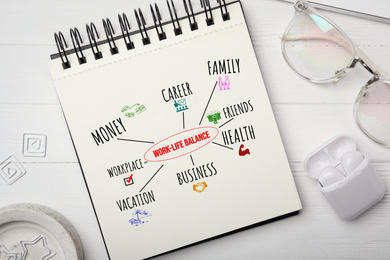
x=181, y=144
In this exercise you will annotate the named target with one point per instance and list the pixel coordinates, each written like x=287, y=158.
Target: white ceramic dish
x=32, y=231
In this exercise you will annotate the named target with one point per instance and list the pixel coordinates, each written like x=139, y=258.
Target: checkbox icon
x=11, y=170
x=127, y=182
x=34, y=145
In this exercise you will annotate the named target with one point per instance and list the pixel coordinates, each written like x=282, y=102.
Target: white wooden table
x=307, y=114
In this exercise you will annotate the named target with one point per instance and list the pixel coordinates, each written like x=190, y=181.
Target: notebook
x=173, y=128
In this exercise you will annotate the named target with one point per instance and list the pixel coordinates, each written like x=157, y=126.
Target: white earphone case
x=358, y=190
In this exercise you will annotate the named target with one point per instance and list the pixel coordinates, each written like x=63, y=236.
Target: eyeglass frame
x=303, y=8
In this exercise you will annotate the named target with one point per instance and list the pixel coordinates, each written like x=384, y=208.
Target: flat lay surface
x=34, y=134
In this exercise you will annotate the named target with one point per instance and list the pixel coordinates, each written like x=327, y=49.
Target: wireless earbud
x=350, y=161
x=330, y=175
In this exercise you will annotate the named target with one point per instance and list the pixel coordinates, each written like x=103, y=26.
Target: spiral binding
x=93, y=35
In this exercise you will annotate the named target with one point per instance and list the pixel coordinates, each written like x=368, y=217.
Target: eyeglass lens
x=315, y=49
x=372, y=111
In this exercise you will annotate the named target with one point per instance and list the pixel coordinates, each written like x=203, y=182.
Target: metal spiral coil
x=125, y=28
x=60, y=42
x=207, y=10
x=109, y=30
x=157, y=22
x=190, y=14
x=76, y=40
x=91, y=31
x=224, y=12
x=175, y=21
x=141, y=25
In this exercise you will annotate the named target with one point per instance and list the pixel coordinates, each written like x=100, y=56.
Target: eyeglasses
x=319, y=51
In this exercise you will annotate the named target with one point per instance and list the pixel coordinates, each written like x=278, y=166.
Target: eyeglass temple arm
x=367, y=63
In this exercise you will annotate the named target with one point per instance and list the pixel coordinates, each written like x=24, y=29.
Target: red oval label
x=181, y=144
